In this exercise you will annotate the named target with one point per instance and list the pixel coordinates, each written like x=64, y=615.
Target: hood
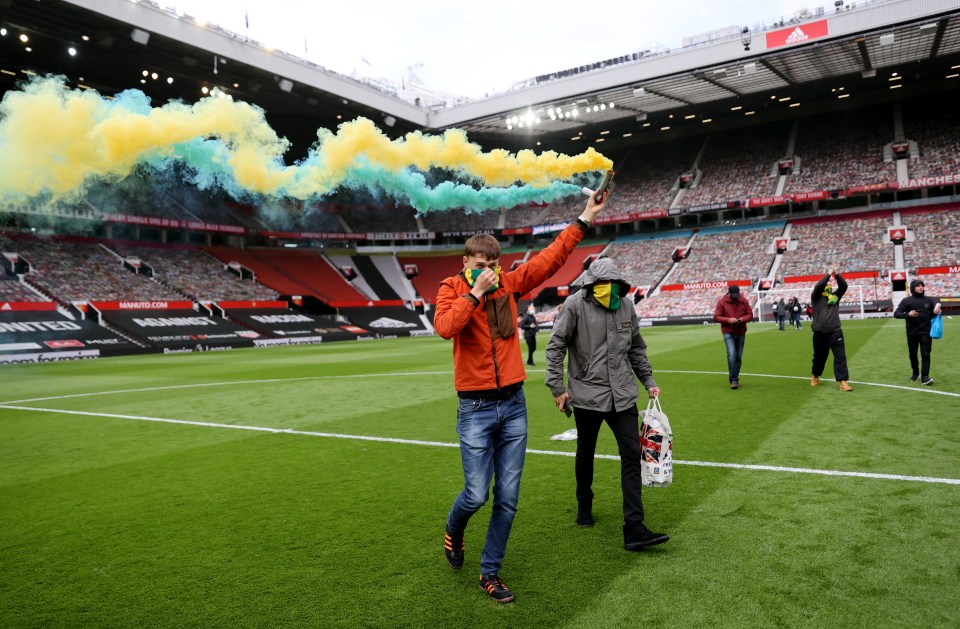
x=604, y=269
x=913, y=286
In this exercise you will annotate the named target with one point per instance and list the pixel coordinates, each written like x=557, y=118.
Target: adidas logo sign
x=385, y=322
x=6, y=306
x=796, y=36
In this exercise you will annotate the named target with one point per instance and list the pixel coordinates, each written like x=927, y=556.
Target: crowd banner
x=48, y=335
x=178, y=331
x=274, y=325
x=386, y=322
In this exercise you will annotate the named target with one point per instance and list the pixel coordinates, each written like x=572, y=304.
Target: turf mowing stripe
x=436, y=373
x=223, y=384
x=441, y=444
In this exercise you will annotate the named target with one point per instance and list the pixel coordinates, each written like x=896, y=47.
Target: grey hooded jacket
x=607, y=353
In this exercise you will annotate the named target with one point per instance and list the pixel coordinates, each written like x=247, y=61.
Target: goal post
x=766, y=299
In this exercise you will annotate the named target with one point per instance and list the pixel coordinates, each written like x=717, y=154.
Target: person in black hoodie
x=827, y=335
x=529, y=326
x=918, y=310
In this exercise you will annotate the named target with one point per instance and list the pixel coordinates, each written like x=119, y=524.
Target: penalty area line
x=442, y=444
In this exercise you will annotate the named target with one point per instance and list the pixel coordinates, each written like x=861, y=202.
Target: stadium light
x=3, y=32
x=286, y=85
x=72, y=51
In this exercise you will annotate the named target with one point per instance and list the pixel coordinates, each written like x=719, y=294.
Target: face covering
x=828, y=293
x=473, y=274
x=607, y=295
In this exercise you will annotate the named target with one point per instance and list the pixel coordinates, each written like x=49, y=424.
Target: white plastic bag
x=656, y=446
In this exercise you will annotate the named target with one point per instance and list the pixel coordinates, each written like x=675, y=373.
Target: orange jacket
x=486, y=346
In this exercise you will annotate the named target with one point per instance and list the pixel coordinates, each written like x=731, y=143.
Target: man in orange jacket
x=477, y=308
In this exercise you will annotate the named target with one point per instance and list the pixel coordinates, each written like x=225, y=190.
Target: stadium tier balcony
x=434, y=269
x=942, y=284
x=934, y=127
x=853, y=244
x=87, y=272
x=685, y=302
x=737, y=165
x=728, y=255
x=841, y=150
x=459, y=220
x=936, y=239
x=12, y=290
x=645, y=262
x=302, y=272
x=377, y=218
x=197, y=274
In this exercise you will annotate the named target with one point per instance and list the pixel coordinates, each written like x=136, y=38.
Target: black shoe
x=584, y=519
x=928, y=381
x=530, y=362
x=493, y=586
x=453, y=549
x=637, y=536
x=734, y=384
x=914, y=377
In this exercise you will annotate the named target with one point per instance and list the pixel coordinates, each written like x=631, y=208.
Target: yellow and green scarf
x=607, y=295
x=831, y=298
x=471, y=276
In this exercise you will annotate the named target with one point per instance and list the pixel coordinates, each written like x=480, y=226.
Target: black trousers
x=626, y=428
x=823, y=344
x=531, y=340
x=924, y=344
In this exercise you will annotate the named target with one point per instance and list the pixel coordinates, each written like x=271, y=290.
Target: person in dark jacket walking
x=732, y=313
x=780, y=310
x=794, y=308
x=827, y=335
x=607, y=355
x=918, y=310
x=528, y=323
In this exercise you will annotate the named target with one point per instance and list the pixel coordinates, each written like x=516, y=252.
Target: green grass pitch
x=108, y=519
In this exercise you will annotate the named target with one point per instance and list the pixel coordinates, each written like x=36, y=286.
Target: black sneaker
x=493, y=586
x=928, y=381
x=637, y=536
x=914, y=377
x=453, y=549
x=584, y=519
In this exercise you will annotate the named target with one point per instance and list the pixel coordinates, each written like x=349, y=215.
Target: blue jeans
x=734, y=343
x=493, y=442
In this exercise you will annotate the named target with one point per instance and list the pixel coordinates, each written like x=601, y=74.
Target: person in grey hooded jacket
x=606, y=356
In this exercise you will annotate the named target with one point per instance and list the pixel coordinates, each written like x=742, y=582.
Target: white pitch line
x=441, y=444
x=427, y=373
x=228, y=383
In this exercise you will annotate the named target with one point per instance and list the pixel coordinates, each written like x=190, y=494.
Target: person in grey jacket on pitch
x=607, y=355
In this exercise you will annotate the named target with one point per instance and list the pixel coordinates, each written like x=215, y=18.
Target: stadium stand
x=728, y=255
x=458, y=220
x=644, y=262
x=293, y=272
x=685, y=302
x=936, y=238
x=934, y=127
x=11, y=289
x=840, y=150
x=196, y=274
x=746, y=172
x=80, y=271
x=854, y=244
x=434, y=269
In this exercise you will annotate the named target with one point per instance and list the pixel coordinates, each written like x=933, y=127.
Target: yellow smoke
x=54, y=139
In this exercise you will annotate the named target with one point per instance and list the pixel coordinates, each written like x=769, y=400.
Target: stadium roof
x=839, y=58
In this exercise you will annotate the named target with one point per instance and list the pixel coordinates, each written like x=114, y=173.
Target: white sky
x=477, y=48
